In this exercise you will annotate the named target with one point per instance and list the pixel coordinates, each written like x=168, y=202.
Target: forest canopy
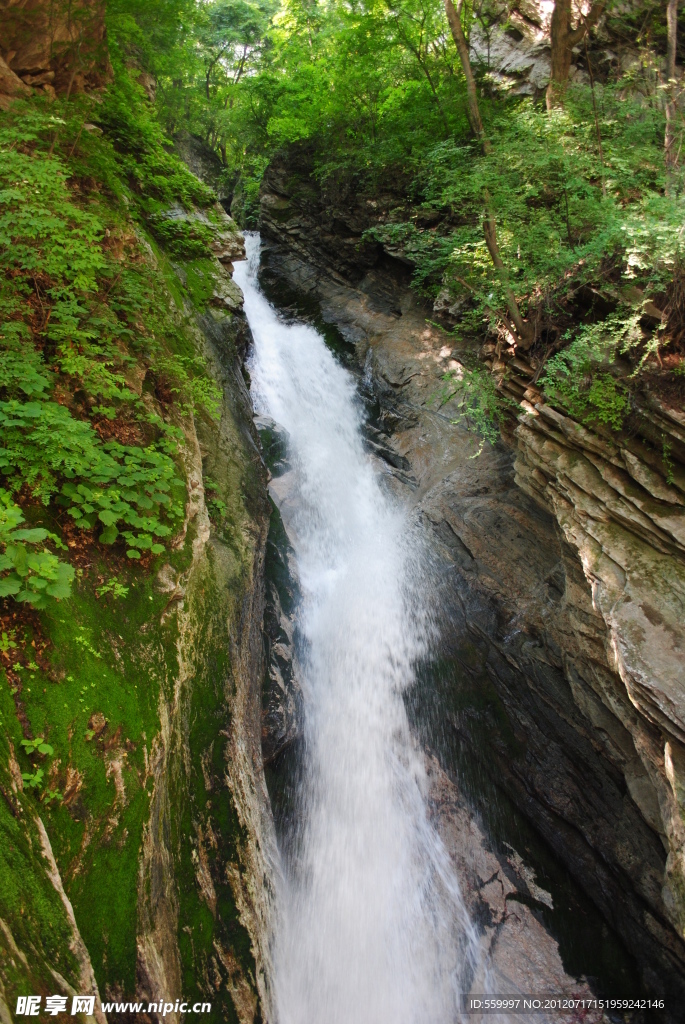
x=546, y=215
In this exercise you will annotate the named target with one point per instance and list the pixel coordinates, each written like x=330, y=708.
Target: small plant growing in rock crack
x=38, y=744
x=190, y=384
x=84, y=642
x=215, y=506
x=33, y=780
x=113, y=587
x=482, y=405
x=7, y=642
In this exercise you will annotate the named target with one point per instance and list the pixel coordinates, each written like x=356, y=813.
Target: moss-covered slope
x=145, y=810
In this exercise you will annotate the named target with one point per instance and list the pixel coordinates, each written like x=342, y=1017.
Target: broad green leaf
x=31, y=536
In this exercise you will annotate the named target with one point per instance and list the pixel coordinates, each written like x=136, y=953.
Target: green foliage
x=544, y=183
x=22, y=372
x=579, y=377
x=45, y=232
x=246, y=194
x=482, y=404
x=374, y=95
x=184, y=239
x=7, y=642
x=113, y=587
x=34, y=779
x=27, y=573
x=370, y=85
x=156, y=176
x=38, y=744
x=81, y=638
x=127, y=486
x=188, y=380
x=217, y=508
x=59, y=266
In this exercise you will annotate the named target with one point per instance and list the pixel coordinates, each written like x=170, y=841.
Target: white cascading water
x=371, y=925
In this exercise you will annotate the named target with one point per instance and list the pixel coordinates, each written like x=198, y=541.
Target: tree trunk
x=563, y=38
x=526, y=334
x=669, y=140
x=454, y=19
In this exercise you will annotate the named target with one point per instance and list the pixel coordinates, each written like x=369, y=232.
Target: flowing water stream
x=371, y=925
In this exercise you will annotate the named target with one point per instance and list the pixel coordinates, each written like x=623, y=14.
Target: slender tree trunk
x=596, y=116
x=563, y=38
x=433, y=90
x=416, y=51
x=526, y=333
x=669, y=140
x=456, y=28
x=562, y=53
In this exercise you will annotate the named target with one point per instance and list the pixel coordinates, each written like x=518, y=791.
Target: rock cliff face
x=559, y=569
x=208, y=844
x=510, y=44
x=53, y=48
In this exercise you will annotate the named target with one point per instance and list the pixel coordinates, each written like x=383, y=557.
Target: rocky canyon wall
x=559, y=568
x=148, y=876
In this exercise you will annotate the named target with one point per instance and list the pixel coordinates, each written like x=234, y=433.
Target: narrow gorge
x=342, y=512
x=559, y=582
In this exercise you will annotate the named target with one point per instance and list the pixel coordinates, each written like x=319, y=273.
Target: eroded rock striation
x=560, y=573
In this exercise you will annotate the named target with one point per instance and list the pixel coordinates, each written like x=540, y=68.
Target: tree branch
x=586, y=23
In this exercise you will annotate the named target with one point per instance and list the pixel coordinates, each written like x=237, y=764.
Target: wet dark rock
x=282, y=710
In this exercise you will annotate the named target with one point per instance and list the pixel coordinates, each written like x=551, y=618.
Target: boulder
x=11, y=86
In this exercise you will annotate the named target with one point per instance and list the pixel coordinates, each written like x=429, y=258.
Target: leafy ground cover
x=98, y=374
x=90, y=352
x=100, y=379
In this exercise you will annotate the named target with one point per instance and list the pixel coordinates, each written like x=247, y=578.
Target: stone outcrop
x=502, y=896
x=512, y=47
x=58, y=961
x=205, y=763
x=209, y=754
x=53, y=48
x=559, y=578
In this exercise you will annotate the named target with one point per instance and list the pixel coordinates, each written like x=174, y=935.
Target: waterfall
x=371, y=925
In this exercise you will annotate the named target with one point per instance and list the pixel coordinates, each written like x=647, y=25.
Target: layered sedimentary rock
x=559, y=565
